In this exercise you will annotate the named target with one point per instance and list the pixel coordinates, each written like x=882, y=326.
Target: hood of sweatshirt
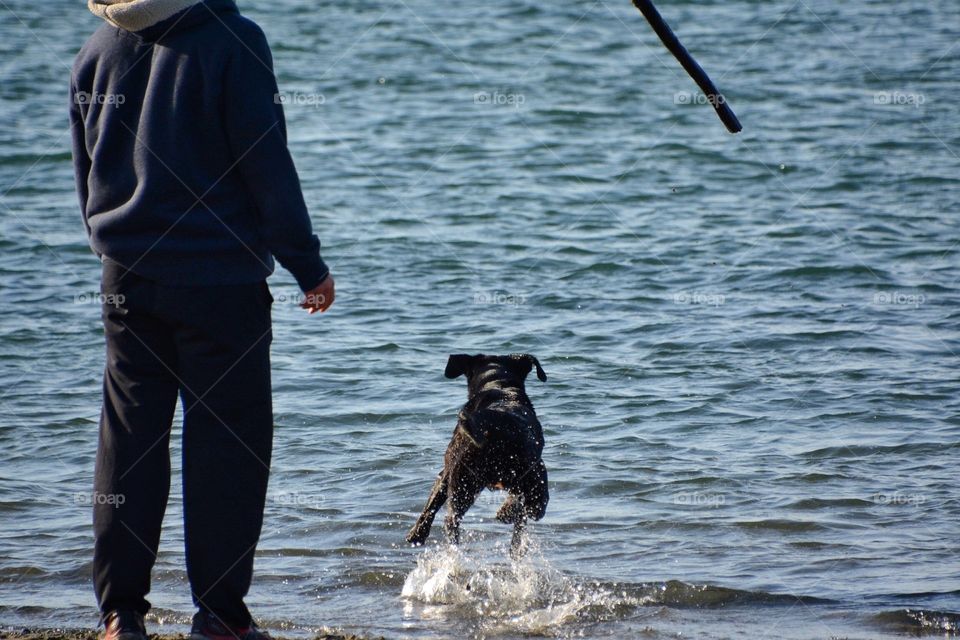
x=136, y=15
x=152, y=19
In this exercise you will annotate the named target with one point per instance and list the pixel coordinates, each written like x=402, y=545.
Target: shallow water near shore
x=752, y=419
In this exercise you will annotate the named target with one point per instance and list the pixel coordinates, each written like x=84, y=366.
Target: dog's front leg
x=512, y=509
x=517, y=546
x=438, y=495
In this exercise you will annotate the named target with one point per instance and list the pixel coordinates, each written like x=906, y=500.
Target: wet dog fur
x=497, y=444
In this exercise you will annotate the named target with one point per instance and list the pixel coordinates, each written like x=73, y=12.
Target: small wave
x=790, y=526
x=864, y=451
x=162, y=616
x=817, y=477
x=603, y=268
x=832, y=334
x=820, y=272
x=920, y=621
x=830, y=503
x=15, y=574
x=683, y=595
x=387, y=347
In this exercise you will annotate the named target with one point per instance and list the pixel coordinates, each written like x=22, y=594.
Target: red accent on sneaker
x=123, y=625
x=207, y=626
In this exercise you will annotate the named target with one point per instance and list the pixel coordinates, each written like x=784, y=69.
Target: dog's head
x=482, y=369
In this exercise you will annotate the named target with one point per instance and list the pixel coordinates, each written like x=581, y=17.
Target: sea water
x=752, y=420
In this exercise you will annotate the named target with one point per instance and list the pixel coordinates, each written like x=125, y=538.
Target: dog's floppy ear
x=541, y=374
x=457, y=365
x=531, y=361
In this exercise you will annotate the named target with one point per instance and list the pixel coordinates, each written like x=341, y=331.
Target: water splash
x=500, y=596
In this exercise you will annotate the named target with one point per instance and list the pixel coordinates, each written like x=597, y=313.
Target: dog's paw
x=417, y=538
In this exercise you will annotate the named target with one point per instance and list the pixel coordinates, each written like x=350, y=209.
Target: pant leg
x=132, y=475
x=224, y=355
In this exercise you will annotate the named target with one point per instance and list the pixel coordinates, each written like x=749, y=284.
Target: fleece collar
x=137, y=15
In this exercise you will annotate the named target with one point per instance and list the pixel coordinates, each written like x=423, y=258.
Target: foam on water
x=504, y=596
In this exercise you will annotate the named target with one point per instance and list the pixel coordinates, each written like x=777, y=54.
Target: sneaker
x=123, y=625
x=207, y=626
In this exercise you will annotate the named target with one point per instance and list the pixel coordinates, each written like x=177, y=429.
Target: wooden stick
x=672, y=43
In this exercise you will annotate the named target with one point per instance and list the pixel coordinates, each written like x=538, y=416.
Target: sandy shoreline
x=14, y=633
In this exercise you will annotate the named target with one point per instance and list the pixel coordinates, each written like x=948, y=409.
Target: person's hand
x=320, y=297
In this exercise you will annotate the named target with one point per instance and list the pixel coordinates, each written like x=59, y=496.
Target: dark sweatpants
x=210, y=346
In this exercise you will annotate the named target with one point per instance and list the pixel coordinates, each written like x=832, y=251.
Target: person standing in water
x=188, y=192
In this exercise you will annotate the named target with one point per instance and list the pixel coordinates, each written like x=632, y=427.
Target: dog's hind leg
x=517, y=546
x=536, y=492
x=460, y=501
x=421, y=530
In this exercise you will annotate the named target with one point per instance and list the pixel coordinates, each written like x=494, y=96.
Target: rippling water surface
x=752, y=416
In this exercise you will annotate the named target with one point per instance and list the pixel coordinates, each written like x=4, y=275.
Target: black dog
x=497, y=444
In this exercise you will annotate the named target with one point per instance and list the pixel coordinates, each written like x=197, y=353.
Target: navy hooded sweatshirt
x=180, y=152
